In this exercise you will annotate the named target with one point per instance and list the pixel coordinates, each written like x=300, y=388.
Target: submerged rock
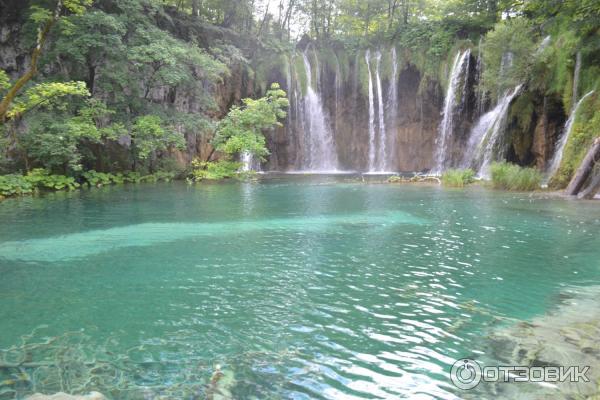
x=570, y=336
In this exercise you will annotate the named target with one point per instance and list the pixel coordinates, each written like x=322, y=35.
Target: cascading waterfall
x=381, y=145
x=372, y=144
x=338, y=90
x=379, y=157
x=560, y=146
x=485, y=141
x=319, y=154
x=443, y=141
x=481, y=94
x=249, y=163
x=576, y=80
x=392, y=108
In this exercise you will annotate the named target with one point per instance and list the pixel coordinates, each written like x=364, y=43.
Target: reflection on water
x=290, y=288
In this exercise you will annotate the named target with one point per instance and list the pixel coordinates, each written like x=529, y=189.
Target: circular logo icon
x=465, y=373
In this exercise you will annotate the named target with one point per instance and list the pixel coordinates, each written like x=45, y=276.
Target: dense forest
x=110, y=91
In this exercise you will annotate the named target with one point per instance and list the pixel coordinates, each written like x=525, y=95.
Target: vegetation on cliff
x=140, y=85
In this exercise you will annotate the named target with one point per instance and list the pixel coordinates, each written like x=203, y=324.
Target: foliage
x=50, y=95
x=4, y=81
x=507, y=55
x=242, y=129
x=98, y=179
x=512, y=177
x=150, y=135
x=42, y=179
x=57, y=141
x=214, y=170
x=585, y=129
x=14, y=185
x=458, y=177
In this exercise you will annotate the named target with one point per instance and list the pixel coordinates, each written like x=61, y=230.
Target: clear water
x=297, y=287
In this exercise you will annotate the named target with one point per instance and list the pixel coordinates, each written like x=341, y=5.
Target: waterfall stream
x=560, y=146
x=372, y=143
x=460, y=68
x=486, y=137
x=319, y=146
x=381, y=140
x=392, y=111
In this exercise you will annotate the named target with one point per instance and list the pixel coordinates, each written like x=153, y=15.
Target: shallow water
x=297, y=287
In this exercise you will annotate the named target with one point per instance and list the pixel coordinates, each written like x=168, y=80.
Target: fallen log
x=585, y=169
x=590, y=191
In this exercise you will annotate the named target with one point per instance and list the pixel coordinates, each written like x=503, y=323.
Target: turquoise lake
x=293, y=287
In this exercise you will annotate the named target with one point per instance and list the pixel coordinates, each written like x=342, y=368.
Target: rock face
x=411, y=128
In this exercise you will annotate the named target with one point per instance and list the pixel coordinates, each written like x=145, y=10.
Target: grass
x=512, y=177
x=458, y=177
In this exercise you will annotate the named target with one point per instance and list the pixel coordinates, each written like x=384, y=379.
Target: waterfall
x=485, y=140
x=392, y=109
x=381, y=154
x=443, y=141
x=371, y=115
x=481, y=94
x=576, y=80
x=319, y=151
x=338, y=92
x=248, y=162
x=560, y=146
x=545, y=42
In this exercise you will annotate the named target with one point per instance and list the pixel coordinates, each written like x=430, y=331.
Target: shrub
x=512, y=177
x=100, y=178
x=42, y=179
x=103, y=178
x=14, y=185
x=157, y=177
x=458, y=177
x=214, y=170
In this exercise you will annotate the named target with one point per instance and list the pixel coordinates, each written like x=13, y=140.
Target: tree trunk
x=585, y=169
x=35, y=56
x=195, y=9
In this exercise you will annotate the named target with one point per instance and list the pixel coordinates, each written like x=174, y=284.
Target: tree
x=45, y=19
x=242, y=130
x=149, y=135
x=56, y=140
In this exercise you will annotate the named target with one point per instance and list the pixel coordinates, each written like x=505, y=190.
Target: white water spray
x=320, y=154
x=372, y=144
x=443, y=141
x=486, y=137
x=381, y=142
x=560, y=146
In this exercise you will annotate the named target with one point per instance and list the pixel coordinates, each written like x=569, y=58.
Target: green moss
x=585, y=129
x=522, y=112
x=385, y=67
x=363, y=74
x=344, y=60
x=300, y=72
